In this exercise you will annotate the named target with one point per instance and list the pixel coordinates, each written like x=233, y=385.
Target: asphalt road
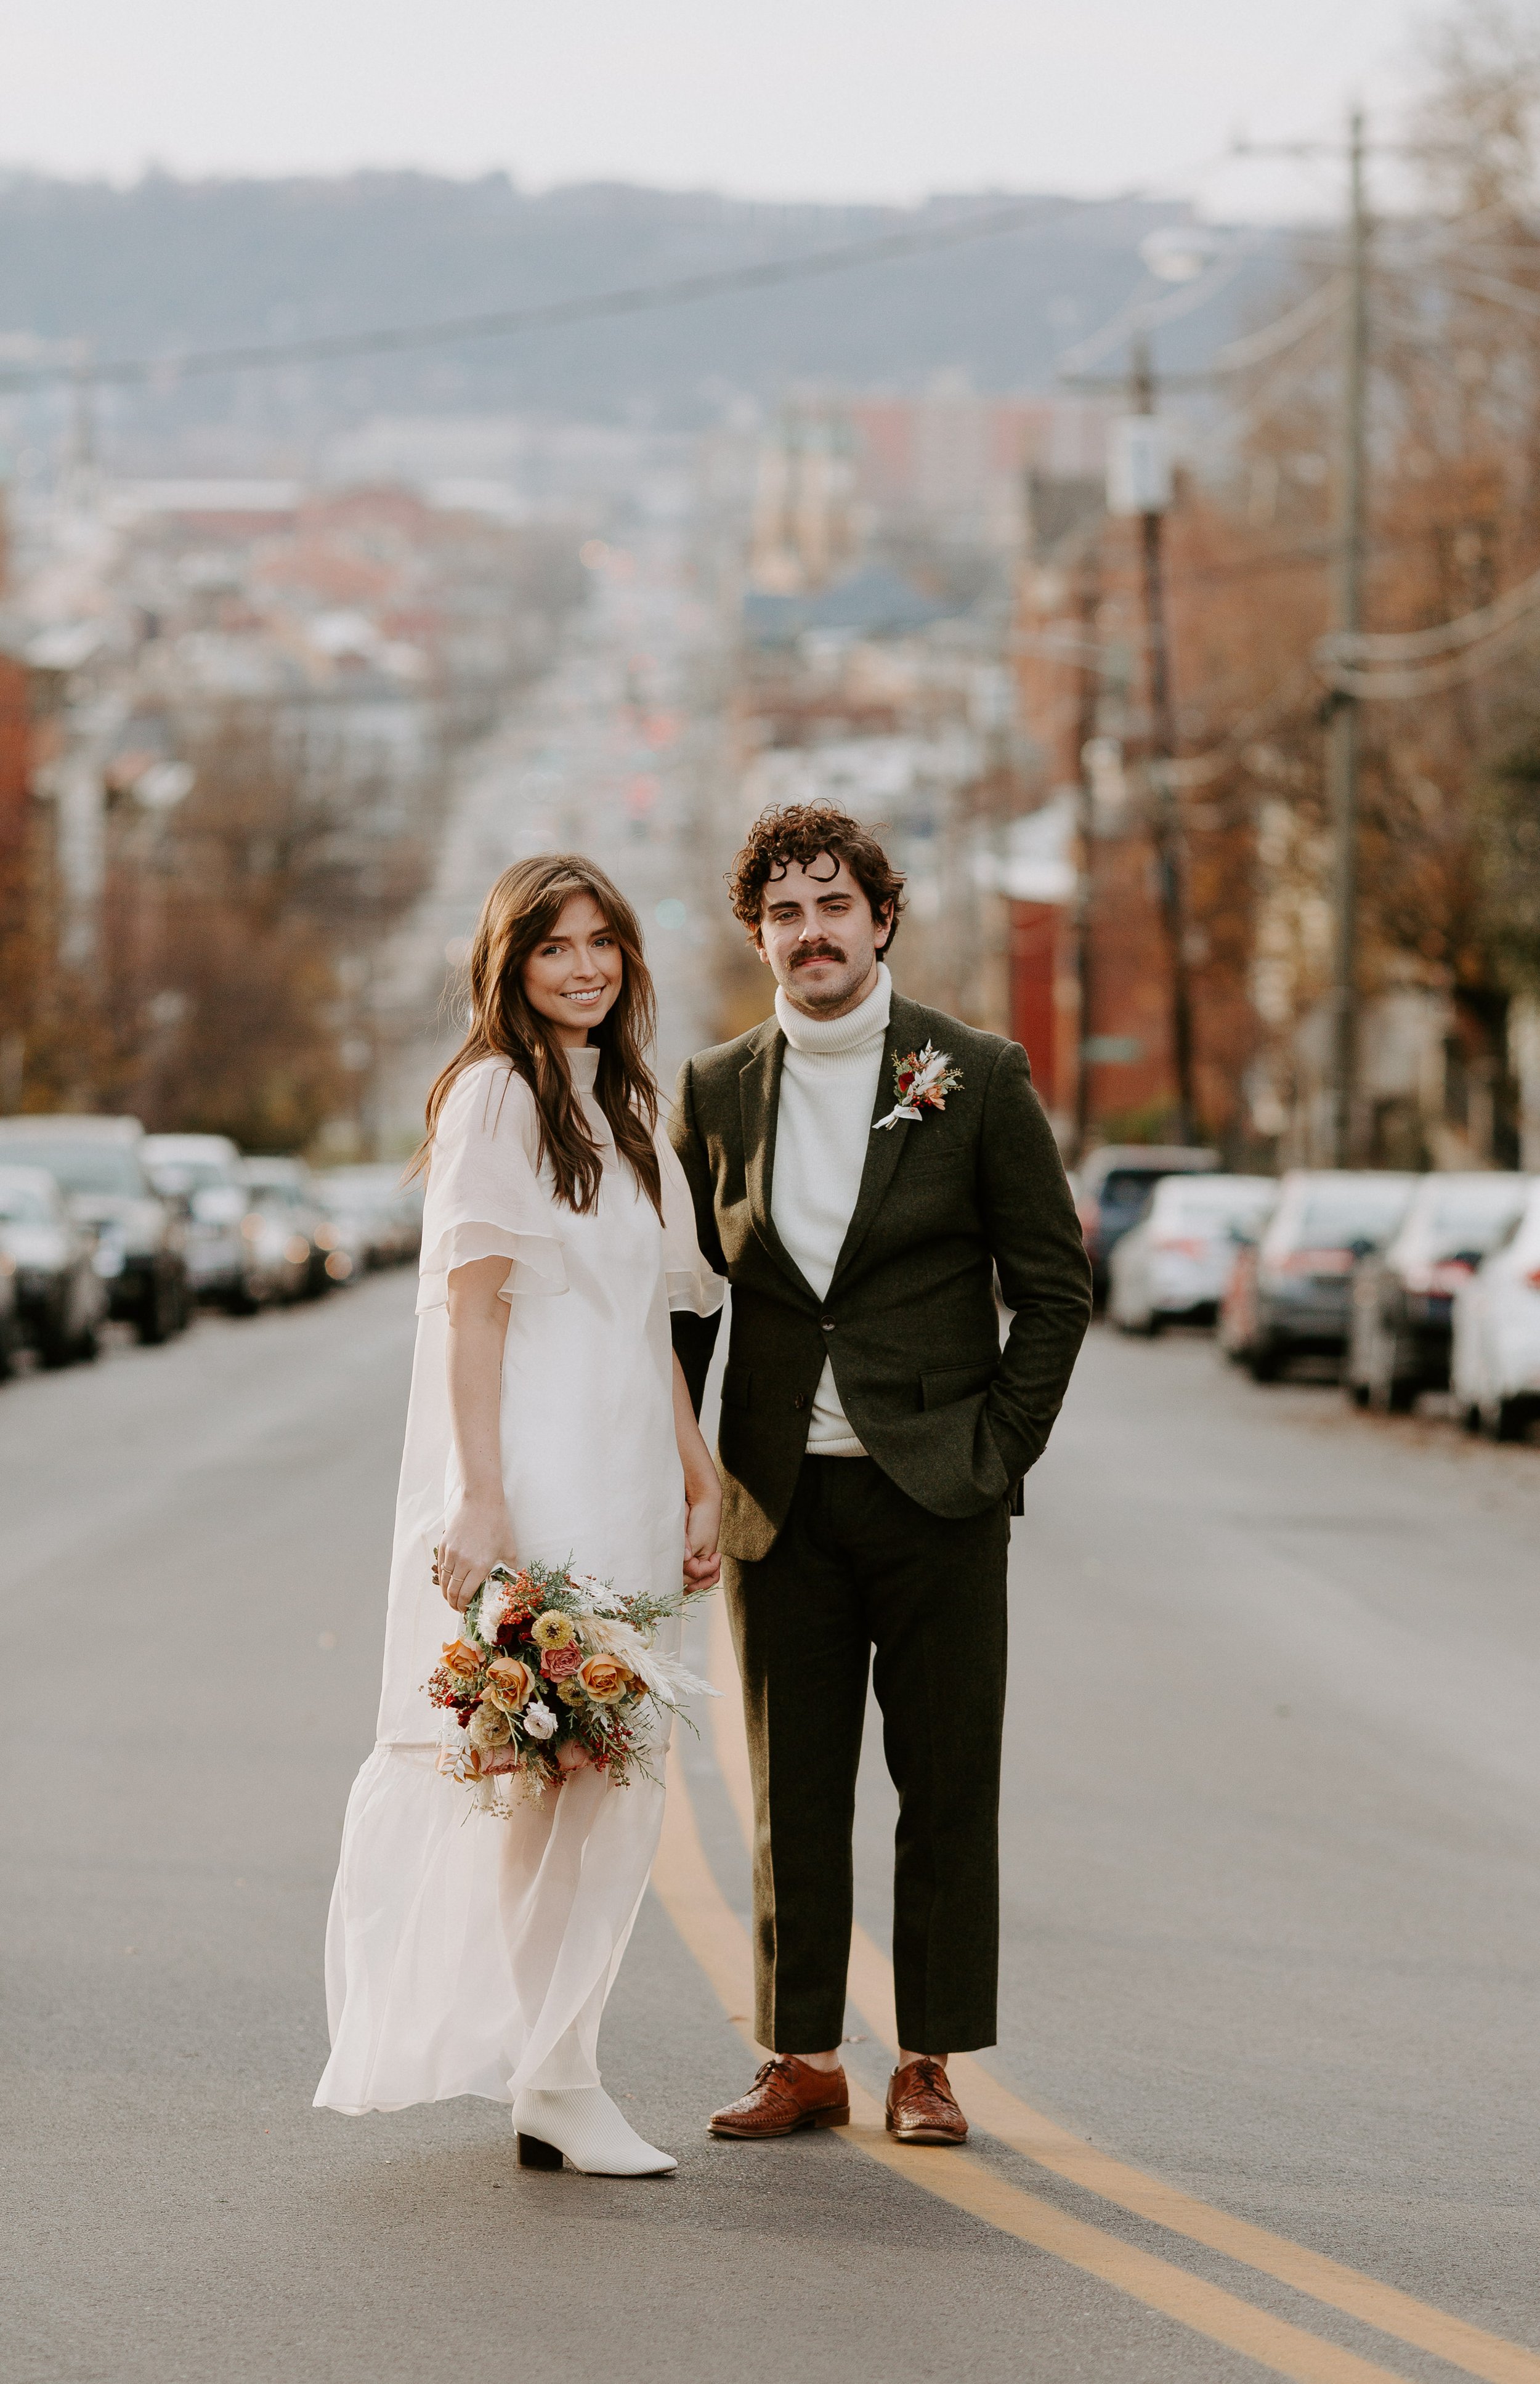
x=1272, y=1927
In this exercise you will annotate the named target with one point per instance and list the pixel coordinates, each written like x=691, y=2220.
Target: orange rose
x=462, y=1661
x=509, y=1681
x=605, y=1679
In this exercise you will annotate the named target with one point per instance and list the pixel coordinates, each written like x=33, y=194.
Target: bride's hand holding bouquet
x=477, y=1537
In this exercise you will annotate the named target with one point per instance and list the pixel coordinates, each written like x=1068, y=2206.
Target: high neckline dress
x=470, y=1954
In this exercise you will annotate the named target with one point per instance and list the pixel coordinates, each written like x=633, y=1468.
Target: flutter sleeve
x=484, y=1199
x=692, y=1285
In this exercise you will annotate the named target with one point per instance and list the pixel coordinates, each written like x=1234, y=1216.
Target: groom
x=874, y=1438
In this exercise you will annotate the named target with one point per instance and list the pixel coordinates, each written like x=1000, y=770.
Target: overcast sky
x=774, y=98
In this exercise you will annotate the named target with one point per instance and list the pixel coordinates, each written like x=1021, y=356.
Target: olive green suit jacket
x=909, y=1320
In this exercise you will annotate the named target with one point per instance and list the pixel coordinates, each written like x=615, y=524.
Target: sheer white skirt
x=471, y=1955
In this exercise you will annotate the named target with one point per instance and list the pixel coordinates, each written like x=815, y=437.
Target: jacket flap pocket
x=734, y=1386
x=941, y=1385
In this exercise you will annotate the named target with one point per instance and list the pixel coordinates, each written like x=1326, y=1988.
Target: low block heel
x=839, y=2118
x=534, y=2153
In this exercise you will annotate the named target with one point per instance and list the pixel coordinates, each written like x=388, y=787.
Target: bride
x=548, y=1422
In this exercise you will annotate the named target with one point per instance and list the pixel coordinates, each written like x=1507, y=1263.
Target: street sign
x=1139, y=465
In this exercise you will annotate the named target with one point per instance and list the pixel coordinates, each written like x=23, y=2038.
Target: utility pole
x=1165, y=821
x=1343, y=734
x=1088, y=607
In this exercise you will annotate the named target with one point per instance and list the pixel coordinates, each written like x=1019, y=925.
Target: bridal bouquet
x=552, y=1669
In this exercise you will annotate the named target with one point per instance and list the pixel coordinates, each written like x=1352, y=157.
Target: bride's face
x=572, y=977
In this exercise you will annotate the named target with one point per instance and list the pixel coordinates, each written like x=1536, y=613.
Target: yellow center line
x=715, y=1936
x=1041, y=2139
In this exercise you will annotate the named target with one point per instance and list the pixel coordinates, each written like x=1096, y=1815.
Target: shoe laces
x=779, y=2063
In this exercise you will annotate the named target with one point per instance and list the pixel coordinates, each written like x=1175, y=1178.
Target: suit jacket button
x=798, y=1399
x=827, y=1324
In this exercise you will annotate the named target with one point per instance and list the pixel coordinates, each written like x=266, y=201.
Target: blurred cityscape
x=1163, y=588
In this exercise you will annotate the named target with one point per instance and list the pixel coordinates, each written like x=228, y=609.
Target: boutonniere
x=922, y=1082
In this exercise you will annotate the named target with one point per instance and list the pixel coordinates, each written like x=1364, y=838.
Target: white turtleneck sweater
x=828, y=1091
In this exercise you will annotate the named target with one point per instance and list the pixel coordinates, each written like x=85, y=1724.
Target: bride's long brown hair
x=520, y=911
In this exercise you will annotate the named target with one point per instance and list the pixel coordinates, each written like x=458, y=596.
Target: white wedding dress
x=466, y=1953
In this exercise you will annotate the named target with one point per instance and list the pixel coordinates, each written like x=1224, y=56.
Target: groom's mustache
x=816, y=952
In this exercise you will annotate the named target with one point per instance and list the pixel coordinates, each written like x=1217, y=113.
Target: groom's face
x=817, y=933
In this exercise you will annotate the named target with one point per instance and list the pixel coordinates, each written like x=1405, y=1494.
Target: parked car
x=203, y=1170
x=140, y=1254
x=1403, y=1295
x=378, y=1219
x=1174, y=1264
x=1291, y=1296
x=10, y=1328
x=1496, y=1367
x=1112, y=1186
x=58, y=1300
x=297, y=1236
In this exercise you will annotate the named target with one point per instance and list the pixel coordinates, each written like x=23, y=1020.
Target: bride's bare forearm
x=694, y=1456
x=476, y=1405
x=477, y=1533
x=478, y=1329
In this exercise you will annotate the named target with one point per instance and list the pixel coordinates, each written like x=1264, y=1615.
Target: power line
x=1021, y=215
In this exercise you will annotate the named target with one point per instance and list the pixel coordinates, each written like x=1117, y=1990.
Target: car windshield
x=1471, y=1216
x=1336, y=1215
x=79, y=1162
x=23, y=1204
x=1210, y=1207
x=1126, y=1187
x=193, y=1174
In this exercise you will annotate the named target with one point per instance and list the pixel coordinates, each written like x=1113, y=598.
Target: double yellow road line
x=719, y=1942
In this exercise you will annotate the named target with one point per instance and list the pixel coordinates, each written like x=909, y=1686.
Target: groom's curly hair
x=806, y=833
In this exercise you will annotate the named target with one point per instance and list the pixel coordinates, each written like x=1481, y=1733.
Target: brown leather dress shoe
x=786, y=2094
x=920, y=2105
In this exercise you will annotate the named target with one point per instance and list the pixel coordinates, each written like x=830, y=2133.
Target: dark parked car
x=1112, y=1185
x=1298, y=1286
x=140, y=1254
x=59, y=1295
x=1403, y=1295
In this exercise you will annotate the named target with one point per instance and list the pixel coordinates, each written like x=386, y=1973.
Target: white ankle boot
x=583, y=2124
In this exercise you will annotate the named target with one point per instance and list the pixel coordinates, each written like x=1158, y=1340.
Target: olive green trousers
x=859, y=1567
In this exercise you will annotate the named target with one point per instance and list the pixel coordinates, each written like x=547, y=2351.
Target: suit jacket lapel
x=883, y=1150
x=759, y=1093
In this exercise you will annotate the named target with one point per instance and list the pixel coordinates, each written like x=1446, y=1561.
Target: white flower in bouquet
x=539, y=1721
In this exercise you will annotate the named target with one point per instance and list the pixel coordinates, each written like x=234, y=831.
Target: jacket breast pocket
x=736, y=1383
x=941, y=1385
